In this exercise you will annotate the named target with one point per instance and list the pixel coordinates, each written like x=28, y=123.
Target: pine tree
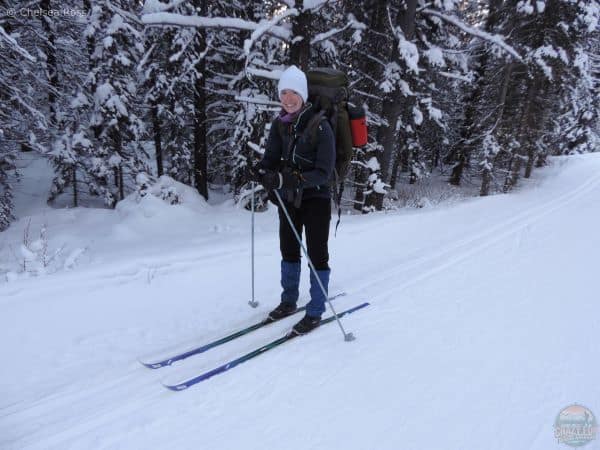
x=22, y=119
x=67, y=65
x=549, y=34
x=118, y=155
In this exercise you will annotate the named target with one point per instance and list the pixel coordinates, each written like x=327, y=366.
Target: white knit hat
x=294, y=79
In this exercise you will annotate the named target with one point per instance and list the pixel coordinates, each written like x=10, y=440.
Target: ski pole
x=347, y=336
x=252, y=302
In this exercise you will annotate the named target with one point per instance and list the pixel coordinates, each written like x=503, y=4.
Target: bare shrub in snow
x=422, y=194
x=35, y=256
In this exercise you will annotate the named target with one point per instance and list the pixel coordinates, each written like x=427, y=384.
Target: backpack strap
x=312, y=125
x=338, y=189
x=281, y=128
x=311, y=130
x=338, y=185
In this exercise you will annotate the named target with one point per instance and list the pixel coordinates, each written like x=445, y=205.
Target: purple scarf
x=286, y=117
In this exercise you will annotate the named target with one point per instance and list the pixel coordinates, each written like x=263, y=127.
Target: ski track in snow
x=459, y=251
x=116, y=408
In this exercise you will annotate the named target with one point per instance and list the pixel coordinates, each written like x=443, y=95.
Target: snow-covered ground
x=483, y=325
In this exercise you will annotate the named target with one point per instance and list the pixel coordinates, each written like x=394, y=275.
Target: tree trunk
x=75, y=191
x=395, y=168
x=524, y=130
x=200, y=142
x=91, y=43
x=537, y=117
x=393, y=104
x=359, y=196
x=461, y=151
x=486, y=179
x=435, y=160
x=396, y=106
x=121, y=184
x=513, y=177
x=387, y=136
x=200, y=150
x=385, y=133
x=486, y=176
x=373, y=13
x=530, y=159
x=463, y=147
x=157, y=140
x=51, y=65
x=414, y=160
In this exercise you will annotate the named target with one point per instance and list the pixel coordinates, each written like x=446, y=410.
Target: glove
x=290, y=180
x=271, y=180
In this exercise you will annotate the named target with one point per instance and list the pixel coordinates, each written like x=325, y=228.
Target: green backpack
x=328, y=89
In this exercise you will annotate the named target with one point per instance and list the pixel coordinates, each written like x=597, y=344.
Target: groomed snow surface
x=483, y=325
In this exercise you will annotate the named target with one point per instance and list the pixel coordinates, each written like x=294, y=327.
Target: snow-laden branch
x=154, y=6
x=266, y=26
x=493, y=38
x=256, y=101
x=17, y=96
x=126, y=15
x=456, y=76
x=13, y=43
x=163, y=18
x=324, y=36
x=351, y=23
x=269, y=74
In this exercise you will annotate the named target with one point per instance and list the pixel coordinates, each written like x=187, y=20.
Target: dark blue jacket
x=312, y=154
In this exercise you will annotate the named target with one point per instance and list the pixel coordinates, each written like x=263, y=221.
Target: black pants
x=314, y=215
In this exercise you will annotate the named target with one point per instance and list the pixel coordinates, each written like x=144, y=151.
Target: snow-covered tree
x=579, y=104
x=549, y=34
x=116, y=128
x=403, y=59
x=22, y=118
x=490, y=87
x=168, y=101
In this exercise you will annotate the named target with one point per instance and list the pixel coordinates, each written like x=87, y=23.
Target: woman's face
x=290, y=101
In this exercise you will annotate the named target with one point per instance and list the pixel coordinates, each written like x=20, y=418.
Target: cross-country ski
x=259, y=351
x=210, y=345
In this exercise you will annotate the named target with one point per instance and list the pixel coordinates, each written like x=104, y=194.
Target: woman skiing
x=298, y=162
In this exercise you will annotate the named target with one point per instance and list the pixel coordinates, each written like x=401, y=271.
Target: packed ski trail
x=483, y=324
